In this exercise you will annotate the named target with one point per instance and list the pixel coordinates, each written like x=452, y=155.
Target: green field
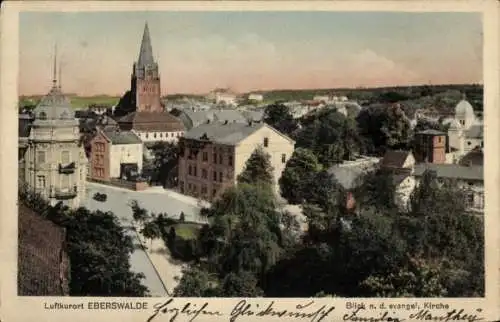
x=78, y=102
x=187, y=230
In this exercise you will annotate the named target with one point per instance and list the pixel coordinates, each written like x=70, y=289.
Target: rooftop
x=230, y=133
x=122, y=137
x=452, y=171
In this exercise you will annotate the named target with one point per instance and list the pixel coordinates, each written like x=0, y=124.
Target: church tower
x=145, y=83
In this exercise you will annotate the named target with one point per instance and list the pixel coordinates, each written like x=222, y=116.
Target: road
x=156, y=200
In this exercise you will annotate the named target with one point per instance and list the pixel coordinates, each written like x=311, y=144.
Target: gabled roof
x=452, y=171
x=395, y=159
x=151, y=121
x=230, y=134
x=474, y=157
x=475, y=132
x=122, y=137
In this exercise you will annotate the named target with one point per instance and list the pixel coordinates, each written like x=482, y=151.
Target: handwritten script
x=189, y=310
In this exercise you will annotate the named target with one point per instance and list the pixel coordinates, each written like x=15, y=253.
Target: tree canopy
x=258, y=169
x=278, y=116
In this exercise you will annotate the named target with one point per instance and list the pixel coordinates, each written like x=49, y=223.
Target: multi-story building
x=52, y=160
x=430, y=146
x=115, y=154
x=141, y=110
x=214, y=154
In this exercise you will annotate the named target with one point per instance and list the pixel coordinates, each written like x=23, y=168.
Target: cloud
x=374, y=69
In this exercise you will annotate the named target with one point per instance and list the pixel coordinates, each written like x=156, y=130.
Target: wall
x=198, y=185
x=100, y=159
x=148, y=95
x=160, y=136
x=124, y=153
x=278, y=145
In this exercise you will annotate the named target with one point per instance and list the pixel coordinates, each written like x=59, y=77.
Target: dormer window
x=42, y=116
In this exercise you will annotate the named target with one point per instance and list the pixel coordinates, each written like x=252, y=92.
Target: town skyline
x=196, y=52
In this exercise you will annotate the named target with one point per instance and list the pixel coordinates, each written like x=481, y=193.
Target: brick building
x=430, y=146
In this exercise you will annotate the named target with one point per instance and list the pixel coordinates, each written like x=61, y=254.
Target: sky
x=248, y=51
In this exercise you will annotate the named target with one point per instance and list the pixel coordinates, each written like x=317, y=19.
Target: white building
x=466, y=130
x=256, y=97
x=52, y=161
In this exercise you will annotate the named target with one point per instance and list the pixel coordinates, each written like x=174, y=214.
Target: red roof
x=151, y=122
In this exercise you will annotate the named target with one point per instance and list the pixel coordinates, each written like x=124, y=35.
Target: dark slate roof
x=398, y=178
x=231, y=133
x=146, y=53
x=256, y=116
x=43, y=268
x=122, y=137
x=348, y=176
x=452, y=171
x=474, y=157
x=395, y=159
x=151, y=121
x=475, y=132
x=431, y=132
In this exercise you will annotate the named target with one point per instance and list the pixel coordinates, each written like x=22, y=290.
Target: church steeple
x=146, y=53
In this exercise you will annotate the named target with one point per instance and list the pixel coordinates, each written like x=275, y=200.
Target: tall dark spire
x=146, y=53
x=60, y=75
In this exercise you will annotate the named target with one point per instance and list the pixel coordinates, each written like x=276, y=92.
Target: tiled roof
x=452, y=171
x=395, y=159
x=474, y=157
x=151, y=121
x=348, y=176
x=42, y=259
x=475, y=132
x=431, y=132
x=231, y=133
x=122, y=137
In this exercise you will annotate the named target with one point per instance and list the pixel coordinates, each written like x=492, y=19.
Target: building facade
x=214, y=154
x=115, y=154
x=52, y=158
x=430, y=146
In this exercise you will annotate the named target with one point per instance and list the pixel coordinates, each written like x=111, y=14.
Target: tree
x=195, y=282
x=139, y=214
x=258, y=169
x=152, y=231
x=384, y=127
x=330, y=135
x=418, y=278
x=324, y=190
x=278, y=116
x=377, y=189
x=163, y=169
x=242, y=284
x=297, y=176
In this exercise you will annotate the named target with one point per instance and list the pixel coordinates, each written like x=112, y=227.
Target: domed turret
x=54, y=106
x=464, y=113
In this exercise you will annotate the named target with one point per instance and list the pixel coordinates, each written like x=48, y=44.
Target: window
x=220, y=176
x=154, y=135
x=469, y=143
x=42, y=116
x=204, y=173
x=266, y=142
x=147, y=135
x=195, y=174
x=190, y=170
x=283, y=158
x=205, y=156
x=41, y=182
x=181, y=184
x=41, y=157
x=230, y=160
x=482, y=145
x=214, y=192
x=204, y=189
x=215, y=176
x=439, y=139
x=215, y=158
x=221, y=159
x=161, y=135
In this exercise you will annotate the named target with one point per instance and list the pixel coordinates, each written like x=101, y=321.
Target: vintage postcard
x=250, y=161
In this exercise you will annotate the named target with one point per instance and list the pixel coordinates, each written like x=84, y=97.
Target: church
x=465, y=130
x=140, y=110
x=52, y=161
